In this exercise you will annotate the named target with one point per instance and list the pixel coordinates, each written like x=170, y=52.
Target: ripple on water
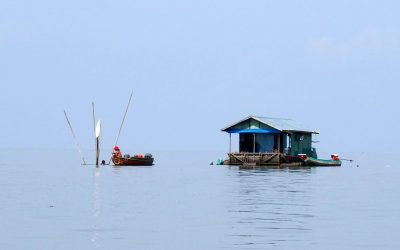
x=269, y=207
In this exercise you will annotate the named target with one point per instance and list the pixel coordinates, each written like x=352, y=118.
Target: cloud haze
x=370, y=40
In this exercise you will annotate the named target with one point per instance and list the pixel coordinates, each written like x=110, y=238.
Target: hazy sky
x=196, y=67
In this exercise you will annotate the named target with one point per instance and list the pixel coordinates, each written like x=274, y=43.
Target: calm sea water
x=49, y=201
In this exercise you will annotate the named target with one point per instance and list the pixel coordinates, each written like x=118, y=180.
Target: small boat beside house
x=311, y=161
x=266, y=141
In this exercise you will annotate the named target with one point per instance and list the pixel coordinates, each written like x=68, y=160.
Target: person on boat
x=117, y=152
x=335, y=157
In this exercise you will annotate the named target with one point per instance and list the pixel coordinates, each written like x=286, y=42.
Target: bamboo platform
x=252, y=160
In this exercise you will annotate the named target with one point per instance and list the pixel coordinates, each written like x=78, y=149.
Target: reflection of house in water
x=269, y=141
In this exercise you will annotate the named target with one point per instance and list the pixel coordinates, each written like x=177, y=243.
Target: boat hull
x=133, y=161
x=310, y=161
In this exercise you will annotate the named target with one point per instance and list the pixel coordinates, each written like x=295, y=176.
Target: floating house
x=270, y=142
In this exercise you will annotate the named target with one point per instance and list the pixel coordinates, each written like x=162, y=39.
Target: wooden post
x=97, y=152
x=279, y=148
x=254, y=143
x=97, y=136
x=230, y=143
x=279, y=143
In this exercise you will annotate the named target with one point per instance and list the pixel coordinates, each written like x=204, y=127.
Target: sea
x=48, y=200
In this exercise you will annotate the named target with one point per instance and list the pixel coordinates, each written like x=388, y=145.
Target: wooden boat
x=137, y=160
x=127, y=160
x=314, y=162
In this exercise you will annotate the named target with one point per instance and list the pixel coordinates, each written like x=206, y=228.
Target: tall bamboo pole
x=122, y=123
x=75, y=140
x=96, y=143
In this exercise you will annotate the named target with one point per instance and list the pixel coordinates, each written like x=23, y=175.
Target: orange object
x=335, y=157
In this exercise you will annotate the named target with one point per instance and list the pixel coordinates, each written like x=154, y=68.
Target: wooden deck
x=252, y=160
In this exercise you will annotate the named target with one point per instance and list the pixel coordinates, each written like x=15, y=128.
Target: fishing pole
x=94, y=124
x=122, y=123
x=75, y=140
x=347, y=160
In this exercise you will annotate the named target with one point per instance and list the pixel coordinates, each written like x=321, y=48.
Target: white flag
x=98, y=129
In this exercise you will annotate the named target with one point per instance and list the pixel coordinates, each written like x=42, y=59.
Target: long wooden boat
x=310, y=161
x=133, y=161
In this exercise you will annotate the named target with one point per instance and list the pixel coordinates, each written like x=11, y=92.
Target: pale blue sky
x=197, y=66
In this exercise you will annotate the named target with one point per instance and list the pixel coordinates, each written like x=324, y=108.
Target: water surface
x=49, y=201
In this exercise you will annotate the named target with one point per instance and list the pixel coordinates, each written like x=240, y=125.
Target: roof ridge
x=269, y=117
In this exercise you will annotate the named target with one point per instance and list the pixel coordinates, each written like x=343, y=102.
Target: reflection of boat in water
x=127, y=160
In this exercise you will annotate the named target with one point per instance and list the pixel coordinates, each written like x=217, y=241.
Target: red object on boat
x=302, y=156
x=335, y=157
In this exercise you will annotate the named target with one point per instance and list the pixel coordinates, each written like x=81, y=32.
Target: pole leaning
x=75, y=140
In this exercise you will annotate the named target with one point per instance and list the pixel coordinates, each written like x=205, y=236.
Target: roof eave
x=249, y=117
x=300, y=131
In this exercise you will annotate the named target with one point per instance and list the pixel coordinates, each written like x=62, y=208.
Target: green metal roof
x=281, y=124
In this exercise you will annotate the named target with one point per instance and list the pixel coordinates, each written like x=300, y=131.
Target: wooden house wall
x=264, y=142
x=301, y=143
